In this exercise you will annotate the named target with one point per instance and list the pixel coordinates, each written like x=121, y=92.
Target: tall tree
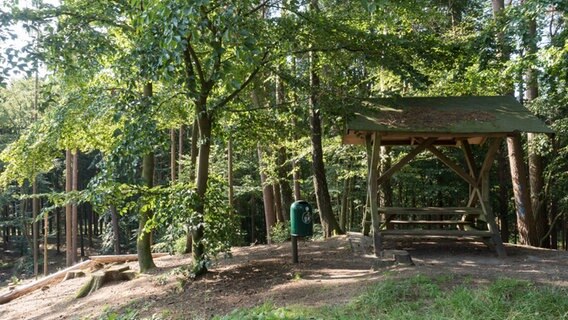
x=328, y=220
x=535, y=160
x=143, y=242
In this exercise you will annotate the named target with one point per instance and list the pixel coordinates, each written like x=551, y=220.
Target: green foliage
x=280, y=232
x=421, y=297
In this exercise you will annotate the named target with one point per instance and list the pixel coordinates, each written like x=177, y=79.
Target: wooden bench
x=432, y=222
x=430, y=217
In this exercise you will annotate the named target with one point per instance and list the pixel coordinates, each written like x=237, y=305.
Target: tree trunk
x=267, y=197
x=345, y=203
x=536, y=174
x=90, y=219
x=278, y=203
x=525, y=218
x=173, y=142
x=285, y=190
x=181, y=146
x=296, y=180
x=74, y=217
x=385, y=189
x=45, y=242
x=115, y=229
x=143, y=242
x=193, y=160
x=68, y=210
x=329, y=223
x=204, y=124
x=58, y=229
x=503, y=195
x=230, y=173
x=35, y=228
x=194, y=149
x=81, y=220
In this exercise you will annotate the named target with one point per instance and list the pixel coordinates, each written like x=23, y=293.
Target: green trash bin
x=301, y=220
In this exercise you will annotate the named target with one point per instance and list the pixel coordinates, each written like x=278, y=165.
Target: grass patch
x=421, y=297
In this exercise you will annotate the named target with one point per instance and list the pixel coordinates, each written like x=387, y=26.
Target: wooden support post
x=373, y=188
x=470, y=161
x=492, y=225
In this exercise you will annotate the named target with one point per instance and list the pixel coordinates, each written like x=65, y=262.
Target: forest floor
x=330, y=272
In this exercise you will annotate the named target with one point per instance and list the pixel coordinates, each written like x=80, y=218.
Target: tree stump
x=101, y=277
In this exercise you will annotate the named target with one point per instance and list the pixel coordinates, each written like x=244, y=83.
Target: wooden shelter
x=428, y=123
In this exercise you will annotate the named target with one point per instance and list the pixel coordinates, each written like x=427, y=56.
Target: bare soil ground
x=330, y=272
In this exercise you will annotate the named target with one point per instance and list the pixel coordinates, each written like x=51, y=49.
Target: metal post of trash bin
x=301, y=224
x=295, y=249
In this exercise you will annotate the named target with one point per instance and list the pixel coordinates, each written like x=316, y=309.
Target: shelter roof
x=400, y=121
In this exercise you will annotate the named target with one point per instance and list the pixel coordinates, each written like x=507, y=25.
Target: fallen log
x=122, y=258
x=41, y=283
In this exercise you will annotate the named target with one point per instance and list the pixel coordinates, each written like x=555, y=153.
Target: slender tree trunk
x=58, y=229
x=252, y=222
x=329, y=223
x=35, y=228
x=285, y=190
x=81, y=220
x=278, y=203
x=193, y=160
x=181, y=142
x=68, y=210
x=115, y=229
x=230, y=173
x=267, y=197
x=173, y=142
x=45, y=243
x=96, y=224
x=143, y=242
x=296, y=180
x=89, y=212
x=345, y=203
x=204, y=124
x=194, y=149
x=503, y=195
x=385, y=189
x=74, y=217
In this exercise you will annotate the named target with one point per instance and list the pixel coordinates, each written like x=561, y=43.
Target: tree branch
x=196, y=61
x=245, y=84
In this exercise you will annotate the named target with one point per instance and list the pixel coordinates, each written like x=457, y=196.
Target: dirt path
x=329, y=272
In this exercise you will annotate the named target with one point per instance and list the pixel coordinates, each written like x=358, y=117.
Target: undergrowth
x=421, y=297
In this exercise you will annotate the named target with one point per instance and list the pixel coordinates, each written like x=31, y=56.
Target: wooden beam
x=487, y=163
x=469, y=159
x=489, y=157
x=448, y=162
x=421, y=147
x=373, y=188
x=492, y=226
